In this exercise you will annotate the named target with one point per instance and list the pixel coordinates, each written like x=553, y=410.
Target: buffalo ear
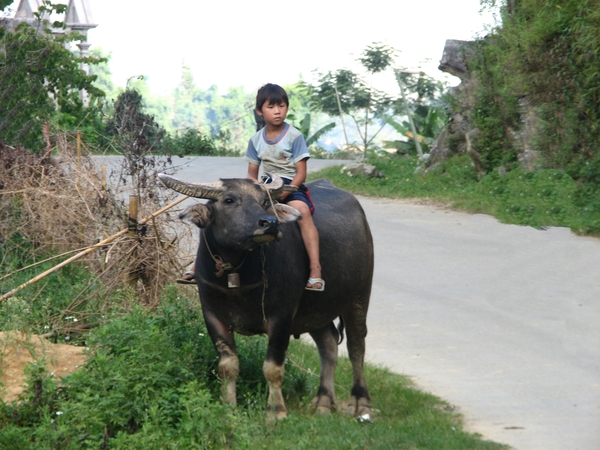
x=200, y=215
x=285, y=213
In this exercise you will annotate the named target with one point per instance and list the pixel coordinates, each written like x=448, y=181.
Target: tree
x=423, y=106
x=345, y=92
x=40, y=80
x=136, y=136
x=102, y=73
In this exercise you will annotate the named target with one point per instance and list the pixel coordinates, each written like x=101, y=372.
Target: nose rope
x=268, y=191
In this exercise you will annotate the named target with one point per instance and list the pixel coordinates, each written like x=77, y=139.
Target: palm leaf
x=315, y=137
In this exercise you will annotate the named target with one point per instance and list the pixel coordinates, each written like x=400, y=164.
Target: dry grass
x=59, y=204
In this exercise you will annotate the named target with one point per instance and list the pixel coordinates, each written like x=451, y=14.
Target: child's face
x=274, y=114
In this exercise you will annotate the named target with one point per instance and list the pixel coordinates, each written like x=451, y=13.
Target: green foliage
x=496, y=109
x=137, y=136
x=228, y=118
x=101, y=71
x=136, y=130
x=304, y=128
x=544, y=198
x=346, y=92
x=40, y=309
x=190, y=142
x=377, y=57
x=371, y=109
x=426, y=105
x=40, y=81
x=356, y=99
x=543, y=62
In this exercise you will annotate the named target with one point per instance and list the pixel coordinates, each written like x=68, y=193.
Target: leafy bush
x=150, y=376
x=542, y=61
x=40, y=81
x=190, y=142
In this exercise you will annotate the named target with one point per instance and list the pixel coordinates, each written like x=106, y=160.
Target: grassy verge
x=150, y=383
x=538, y=199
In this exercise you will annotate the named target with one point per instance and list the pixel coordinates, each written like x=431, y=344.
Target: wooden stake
x=132, y=225
x=89, y=250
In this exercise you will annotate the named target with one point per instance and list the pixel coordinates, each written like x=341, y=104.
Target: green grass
x=538, y=199
x=150, y=383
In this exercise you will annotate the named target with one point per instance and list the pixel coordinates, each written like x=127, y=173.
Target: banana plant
x=304, y=128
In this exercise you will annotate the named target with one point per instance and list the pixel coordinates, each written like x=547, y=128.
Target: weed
x=539, y=199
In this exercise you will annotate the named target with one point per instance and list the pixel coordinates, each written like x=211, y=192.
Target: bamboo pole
x=104, y=198
x=103, y=178
x=89, y=250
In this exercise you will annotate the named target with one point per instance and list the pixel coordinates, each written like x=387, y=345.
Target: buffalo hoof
x=361, y=409
x=323, y=405
x=323, y=411
x=275, y=414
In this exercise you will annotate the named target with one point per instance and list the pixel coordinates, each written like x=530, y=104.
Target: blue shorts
x=302, y=194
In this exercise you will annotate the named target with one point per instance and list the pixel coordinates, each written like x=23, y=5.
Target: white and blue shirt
x=278, y=155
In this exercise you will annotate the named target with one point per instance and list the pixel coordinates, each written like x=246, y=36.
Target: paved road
x=499, y=320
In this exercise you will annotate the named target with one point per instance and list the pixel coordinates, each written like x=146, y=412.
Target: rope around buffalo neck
x=263, y=259
x=221, y=265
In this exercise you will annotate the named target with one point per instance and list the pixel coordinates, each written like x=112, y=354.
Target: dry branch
x=89, y=250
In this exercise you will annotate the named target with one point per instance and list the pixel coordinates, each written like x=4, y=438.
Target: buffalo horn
x=209, y=191
x=275, y=187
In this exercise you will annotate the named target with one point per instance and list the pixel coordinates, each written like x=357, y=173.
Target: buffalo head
x=243, y=214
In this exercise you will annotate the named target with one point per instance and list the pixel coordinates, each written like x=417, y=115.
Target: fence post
x=103, y=201
x=132, y=226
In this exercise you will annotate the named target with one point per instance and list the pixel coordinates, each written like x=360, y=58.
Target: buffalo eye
x=229, y=201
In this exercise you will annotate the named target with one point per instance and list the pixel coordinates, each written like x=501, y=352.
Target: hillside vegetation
x=538, y=91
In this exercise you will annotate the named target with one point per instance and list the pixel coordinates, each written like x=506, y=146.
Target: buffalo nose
x=269, y=224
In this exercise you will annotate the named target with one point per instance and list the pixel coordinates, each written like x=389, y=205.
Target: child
x=283, y=151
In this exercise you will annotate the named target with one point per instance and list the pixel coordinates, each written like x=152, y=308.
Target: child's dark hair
x=273, y=93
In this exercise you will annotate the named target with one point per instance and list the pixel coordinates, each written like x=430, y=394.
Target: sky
x=232, y=43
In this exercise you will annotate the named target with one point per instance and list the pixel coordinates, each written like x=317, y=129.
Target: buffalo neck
x=232, y=259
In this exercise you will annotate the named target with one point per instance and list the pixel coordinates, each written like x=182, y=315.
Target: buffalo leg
x=326, y=341
x=229, y=365
x=356, y=332
x=273, y=368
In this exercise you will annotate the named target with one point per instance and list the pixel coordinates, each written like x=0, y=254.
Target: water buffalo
x=252, y=267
